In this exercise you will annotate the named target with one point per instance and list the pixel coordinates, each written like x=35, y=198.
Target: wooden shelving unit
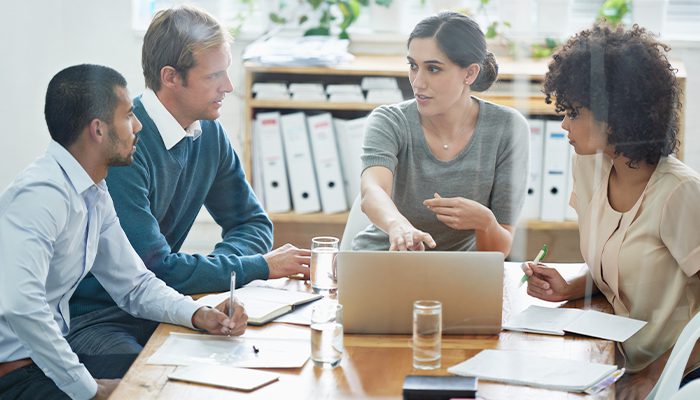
x=517, y=87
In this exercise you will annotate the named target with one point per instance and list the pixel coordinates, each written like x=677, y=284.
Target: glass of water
x=327, y=334
x=427, y=334
x=323, y=273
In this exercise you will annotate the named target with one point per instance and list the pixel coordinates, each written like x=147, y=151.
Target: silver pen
x=232, y=298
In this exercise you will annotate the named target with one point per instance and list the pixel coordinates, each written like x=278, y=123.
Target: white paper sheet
x=605, y=326
x=529, y=369
x=227, y=377
x=190, y=349
x=543, y=320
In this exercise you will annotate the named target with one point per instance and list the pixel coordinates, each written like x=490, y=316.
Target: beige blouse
x=645, y=260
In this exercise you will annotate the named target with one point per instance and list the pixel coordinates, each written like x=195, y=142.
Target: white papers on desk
x=307, y=50
x=193, y=349
x=555, y=321
x=520, y=368
x=223, y=376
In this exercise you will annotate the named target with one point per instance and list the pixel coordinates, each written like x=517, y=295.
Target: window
x=679, y=22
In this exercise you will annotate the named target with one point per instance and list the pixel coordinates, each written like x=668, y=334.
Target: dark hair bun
x=487, y=75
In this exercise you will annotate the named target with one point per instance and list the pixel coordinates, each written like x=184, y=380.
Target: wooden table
x=375, y=366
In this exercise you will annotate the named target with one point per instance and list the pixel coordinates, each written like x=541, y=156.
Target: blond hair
x=174, y=36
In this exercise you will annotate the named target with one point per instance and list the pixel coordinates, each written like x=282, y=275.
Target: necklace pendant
x=444, y=146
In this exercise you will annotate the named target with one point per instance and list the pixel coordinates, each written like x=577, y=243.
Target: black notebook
x=421, y=387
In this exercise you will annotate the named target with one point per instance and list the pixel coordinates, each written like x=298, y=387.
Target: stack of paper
x=554, y=321
x=384, y=96
x=345, y=93
x=307, y=92
x=270, y=91
x=520, y=368
x=307, y=50
x=382, y=90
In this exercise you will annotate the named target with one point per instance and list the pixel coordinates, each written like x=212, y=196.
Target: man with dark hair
x=57, y=223
x=183, y=161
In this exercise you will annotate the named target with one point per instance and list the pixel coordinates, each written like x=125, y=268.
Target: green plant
x=240, y=17
x=545, y=49
x=340, y=13
x=613, y=11
x=492, y=27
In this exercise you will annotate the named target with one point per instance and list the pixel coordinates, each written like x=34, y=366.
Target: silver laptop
x=377, y=290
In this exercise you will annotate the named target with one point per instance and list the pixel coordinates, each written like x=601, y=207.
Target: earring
x=466, y=82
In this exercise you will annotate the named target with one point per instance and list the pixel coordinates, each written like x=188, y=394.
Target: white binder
x=569, y=213
x=533, y=200
x=302, y=179
x=274, y=172
x=556, y=169
x=257, y=165
x=327, y=163
x=350, y=135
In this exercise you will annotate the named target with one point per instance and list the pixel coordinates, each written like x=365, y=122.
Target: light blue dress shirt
x=56, y=224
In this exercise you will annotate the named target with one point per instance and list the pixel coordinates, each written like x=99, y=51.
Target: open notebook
x=263, y=304
x=554, y=321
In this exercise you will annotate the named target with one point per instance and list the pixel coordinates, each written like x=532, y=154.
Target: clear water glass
x=324, y=250
x=327, y=334
x=427, y=334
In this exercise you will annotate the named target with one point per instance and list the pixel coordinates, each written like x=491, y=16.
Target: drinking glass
x=323, y=274
x=427, y=334
x=327, y=334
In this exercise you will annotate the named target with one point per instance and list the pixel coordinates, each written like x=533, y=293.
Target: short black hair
x=462, y=41
x=76, y=96
x=624, y=77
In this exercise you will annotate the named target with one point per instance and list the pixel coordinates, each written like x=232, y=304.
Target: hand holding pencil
x=544, y=282
x=540, y=257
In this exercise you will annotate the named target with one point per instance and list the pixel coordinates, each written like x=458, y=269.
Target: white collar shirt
x=170, y=130
x=56, y=225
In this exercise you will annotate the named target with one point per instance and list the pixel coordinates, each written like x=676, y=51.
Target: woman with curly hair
x=637, y=204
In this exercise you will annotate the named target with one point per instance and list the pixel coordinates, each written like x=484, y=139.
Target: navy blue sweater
x=157, y=199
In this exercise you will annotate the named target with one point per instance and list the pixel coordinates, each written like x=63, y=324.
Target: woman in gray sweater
x=445, y=170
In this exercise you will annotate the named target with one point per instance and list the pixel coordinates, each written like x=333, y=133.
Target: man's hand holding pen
x=217, y=322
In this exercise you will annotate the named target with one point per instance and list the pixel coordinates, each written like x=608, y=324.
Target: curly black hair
x=624, y=77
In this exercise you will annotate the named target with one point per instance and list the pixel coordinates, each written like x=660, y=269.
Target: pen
x=232, y=298
x=540, y=256
x=605, y=382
